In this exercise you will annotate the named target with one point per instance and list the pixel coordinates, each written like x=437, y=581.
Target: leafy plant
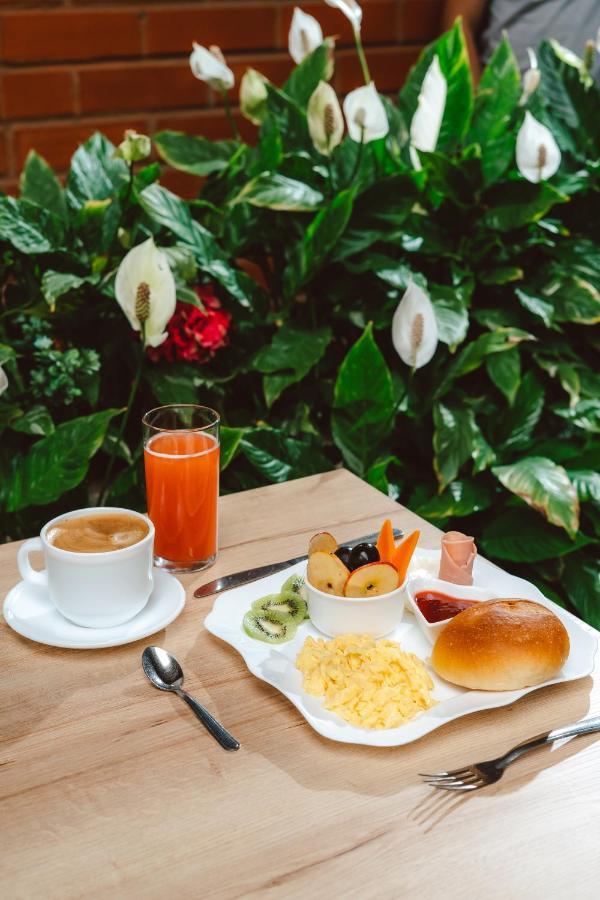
x=310, y=253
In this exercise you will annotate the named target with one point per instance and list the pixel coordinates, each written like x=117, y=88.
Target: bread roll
x=501, y=645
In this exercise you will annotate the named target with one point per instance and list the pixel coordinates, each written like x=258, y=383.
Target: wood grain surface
x=111, y=789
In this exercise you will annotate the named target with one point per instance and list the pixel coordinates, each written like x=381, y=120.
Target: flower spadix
x=427, y=119
x=305, y=35
x=145, y=291
x=414, y=328
x=366, y=117
x=537, y=153
x=325, y=119
x=208, y=65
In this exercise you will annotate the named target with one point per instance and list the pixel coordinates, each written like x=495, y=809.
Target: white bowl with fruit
x=357, y=589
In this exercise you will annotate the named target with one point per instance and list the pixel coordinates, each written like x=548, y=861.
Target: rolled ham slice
x=458, y=556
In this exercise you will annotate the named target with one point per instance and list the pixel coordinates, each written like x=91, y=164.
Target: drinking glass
x=181, y=459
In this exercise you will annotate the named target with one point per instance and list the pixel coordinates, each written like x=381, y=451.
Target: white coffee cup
x=97, y=590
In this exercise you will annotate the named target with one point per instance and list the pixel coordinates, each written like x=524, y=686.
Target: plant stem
x=229, y=115
x=361, y=56
x=358, y=159
x=125, y=418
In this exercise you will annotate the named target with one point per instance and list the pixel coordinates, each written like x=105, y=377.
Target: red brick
x=37, y=92
x=57, y=142
x=211, y=124
x=275, y=67
x=9, y=186
x=418, y=20
x=388, y=66
x=229, y=25
x=119, y=87
x=3, y=159
x=51, y=35
x=378, y=24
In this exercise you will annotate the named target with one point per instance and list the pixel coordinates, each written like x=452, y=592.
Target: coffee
x=97, y=533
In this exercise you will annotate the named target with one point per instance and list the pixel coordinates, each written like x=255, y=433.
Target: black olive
x=363, y=554
x=344, y=553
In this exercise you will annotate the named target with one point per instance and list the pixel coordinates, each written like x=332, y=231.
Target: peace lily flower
x=305, y=35
x=414, y=328
x=3, y=380
x=531, y=78
x=145, y=291
x=253, y=96
x=209, y=65
x=134, y=147
x=353, y=12
x=427, y=120
x=325, y=119
x=537, y=153
x=366, y=117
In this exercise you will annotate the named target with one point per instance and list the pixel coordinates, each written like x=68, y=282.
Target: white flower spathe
x=325, y=119
x=208, y=64
x=427, y=120
x=3, y=380
x=537, y=153
x=305, y=35
x=531, y=82
x=146, y=265
x=414, y=328
x=253, y=96
x=365, y=114
x=351, y=9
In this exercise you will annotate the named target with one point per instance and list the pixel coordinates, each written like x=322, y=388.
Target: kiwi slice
x=288, y=605
x=268, y=627
x=293, y=583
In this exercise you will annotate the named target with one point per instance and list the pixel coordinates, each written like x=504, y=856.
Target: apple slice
x=327, y=573
x=322, y=542
x=371, y=580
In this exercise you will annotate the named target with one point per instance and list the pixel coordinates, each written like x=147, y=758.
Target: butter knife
x=248, y=575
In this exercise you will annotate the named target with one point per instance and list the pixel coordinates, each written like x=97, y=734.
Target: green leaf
x=585, y=415
x=289, y=358
x=229, y=439
x=177, y=383
x=451, y=314
x=501, y=275
x=518, y=425
x=40, y=185
x=274, y=191
x=318, y=241
x=546, y=486
x=544, y=309
x=478, y=351
x=515, y=204
x=95, y=173
x=364, y=403
x=196, y=155
x=496, y=99
x=376, y=474
x=573, y=300
x=461, y=498
x=37, y=420
x=378, y=214
x=55, y=284
x=587, y=485
x=504, y=369
x=28, y=227
x=315, y=67
x=57, y=463
x=456, y=439
x=582, y=581
x=522, y=535
x=280, y=458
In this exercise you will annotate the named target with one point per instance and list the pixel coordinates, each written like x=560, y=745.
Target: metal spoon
x=166, y=674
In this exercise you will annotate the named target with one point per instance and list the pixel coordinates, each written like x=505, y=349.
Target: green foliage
x=497, y=435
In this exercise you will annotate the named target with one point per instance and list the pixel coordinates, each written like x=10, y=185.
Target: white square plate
x=276, y=664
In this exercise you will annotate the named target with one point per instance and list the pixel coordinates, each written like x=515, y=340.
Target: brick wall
x=69, y=67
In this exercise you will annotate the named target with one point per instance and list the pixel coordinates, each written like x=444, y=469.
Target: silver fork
x=478, y=775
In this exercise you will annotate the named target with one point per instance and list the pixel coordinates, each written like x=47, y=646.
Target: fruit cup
x=334, y=614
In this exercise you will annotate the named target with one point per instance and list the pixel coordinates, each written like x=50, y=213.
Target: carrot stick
x=385, y=542
x=403, y=554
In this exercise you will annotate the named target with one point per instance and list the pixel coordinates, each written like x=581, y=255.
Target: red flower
x=195, y=335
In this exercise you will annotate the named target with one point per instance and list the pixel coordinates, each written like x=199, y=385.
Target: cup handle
x=28, y=573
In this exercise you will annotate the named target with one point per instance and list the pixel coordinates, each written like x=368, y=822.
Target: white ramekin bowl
x=418, y=583
x=334, y=615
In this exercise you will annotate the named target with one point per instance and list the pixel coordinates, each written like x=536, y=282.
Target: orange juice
x=182, y=489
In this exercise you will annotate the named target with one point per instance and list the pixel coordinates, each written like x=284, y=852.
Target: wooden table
x=110, y=789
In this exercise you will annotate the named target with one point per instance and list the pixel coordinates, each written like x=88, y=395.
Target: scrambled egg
x=369, y=683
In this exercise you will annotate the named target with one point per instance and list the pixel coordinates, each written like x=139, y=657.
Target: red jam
x=437, y=607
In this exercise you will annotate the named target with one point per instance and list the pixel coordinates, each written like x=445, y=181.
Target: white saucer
x=30, y=612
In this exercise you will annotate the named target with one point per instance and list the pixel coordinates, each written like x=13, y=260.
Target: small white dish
x=335, y=615
x=30, y=612
x=418, y=583
x=277, y=664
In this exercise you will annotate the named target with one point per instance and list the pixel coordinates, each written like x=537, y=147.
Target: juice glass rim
x=170, y=406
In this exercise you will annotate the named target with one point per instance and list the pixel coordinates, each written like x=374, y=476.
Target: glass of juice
x=181, y=458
